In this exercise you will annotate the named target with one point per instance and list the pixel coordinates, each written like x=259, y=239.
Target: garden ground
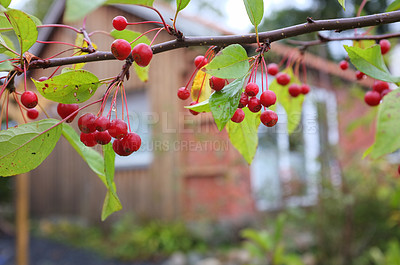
x=48, y=252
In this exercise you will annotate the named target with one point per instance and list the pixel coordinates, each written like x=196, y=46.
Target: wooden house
x=185, y=168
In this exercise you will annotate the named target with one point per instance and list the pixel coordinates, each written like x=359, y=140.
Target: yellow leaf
x=201, y=84
x=79, y=41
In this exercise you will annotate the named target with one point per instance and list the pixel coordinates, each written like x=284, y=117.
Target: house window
x=287, y=168
x=139, y=117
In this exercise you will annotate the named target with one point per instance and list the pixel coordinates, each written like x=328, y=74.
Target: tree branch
x=311, y=26
x=323, y=39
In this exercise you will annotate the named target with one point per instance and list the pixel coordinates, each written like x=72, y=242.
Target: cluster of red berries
x=379, y=90
x=29, y=100
x=249, y=98
x=100, y=130
x=283, y=79
x=121, y=49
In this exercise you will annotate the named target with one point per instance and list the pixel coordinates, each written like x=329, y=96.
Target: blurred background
x=188, y=196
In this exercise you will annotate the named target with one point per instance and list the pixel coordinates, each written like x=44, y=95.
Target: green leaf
x=395, y=5
x=4, y=23
x=78, y=9
x=6, y=26
x=132, y=2
x=142, y=72
x=292, y=106
x=5, y=3
x=23, y=148
x=342, y=3
x=129, y=35
x=111, y=202
x=244, y=135
x=6, y=45
x=94, y=160
x=387, y=135
x=255, y=11
x=6, y=66
x=203, y=106
x=231, y=62
x=104, y=170
x=181, y=4
x=24, y=27
x=69, y=87
x=224, y=103
x=370, y=61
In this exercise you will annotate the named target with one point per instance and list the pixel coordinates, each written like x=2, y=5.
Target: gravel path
x=46, y=252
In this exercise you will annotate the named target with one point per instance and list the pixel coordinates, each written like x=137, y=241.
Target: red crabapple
x=379, y=86
x=251, y=89
x=183, y=93
x=272, y=69
x=64, y=110
x=372, y=98
x=119, y=22
x=200, y=61
x=268, y=98
x=294, y=90
x=86, y=123
x=254, y=104
x=269, y=118
x=32, y=114
x=283, y=79
x=385, y=46
x=29, y=99
x=118, y=128
x=142, y=54
x=344, y=65
x=121, y=49
x=244, y=100
x=238, y=116
x=217, y=83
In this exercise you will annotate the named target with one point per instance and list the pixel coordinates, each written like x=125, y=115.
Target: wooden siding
x=64, y=184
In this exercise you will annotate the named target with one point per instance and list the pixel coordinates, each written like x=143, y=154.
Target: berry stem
x=99, y=32
x=201, y=88
x=44, y=111
x=51, y=57
x=266, y=73
x=2, y=110
x=20, y=107
x=8, y=99
x=304, y=71
x=25, y=77
x=59, y=26
x=141, y=35
x=262, y=74
x=155, y=36
x=112, y=103
x=145, y=22
x=126, y=106
x=161, y=17
x=58, y=42
x=122, y=100
x=54, y=72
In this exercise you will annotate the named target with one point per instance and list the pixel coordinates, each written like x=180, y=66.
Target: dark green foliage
x=127, y=239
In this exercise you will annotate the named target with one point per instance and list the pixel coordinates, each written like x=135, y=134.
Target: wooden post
x=22, y=219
